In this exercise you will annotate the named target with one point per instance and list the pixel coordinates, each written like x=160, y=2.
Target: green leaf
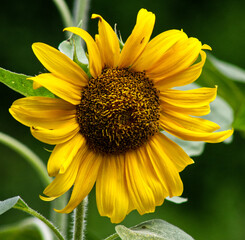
x=155, y=229
x=239, y=122
x=18, y=203
x=8, y=204
x=177, y=200
x=19, y=83
x=73, y=48
x=229, y=70
x=228, y=86
x=27, y=229
x=15, y=202
x=231, y=86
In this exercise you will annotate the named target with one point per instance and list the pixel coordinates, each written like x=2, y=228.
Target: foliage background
x=214, y=185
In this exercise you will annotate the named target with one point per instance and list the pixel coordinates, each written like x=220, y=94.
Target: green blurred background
x=214, y=185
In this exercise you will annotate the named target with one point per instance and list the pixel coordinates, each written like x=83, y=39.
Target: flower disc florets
x=119, y=111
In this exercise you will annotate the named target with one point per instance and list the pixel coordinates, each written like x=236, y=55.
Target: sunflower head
x=106, y=124
x=119, y=111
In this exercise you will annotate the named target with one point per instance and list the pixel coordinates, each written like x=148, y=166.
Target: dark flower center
x=119, y=111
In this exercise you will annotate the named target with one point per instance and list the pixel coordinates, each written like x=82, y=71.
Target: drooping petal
x=181, y=78
x=62, y=88
x=108, y=43
x=192, y=133
x=63, y=154
x=86, y=177
x=168, y=163
x=139, y=189
x=156, y=48
x=193, y=102
x=111, y=189
x=138, y=39
x=42, y=112
x=206, y=47
x=95, y=63
x=178, y=58
x=59, y=64
x=47, y=199
x=158, y=189
x=63, y=182
x=57, y=135
x=173, y=151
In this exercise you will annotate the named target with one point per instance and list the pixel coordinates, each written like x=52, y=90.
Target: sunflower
x=108, y=124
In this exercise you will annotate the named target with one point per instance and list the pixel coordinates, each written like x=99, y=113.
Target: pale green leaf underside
x=15, y=202
x=229, y=88
x=19, y=83
x=177, y=200
x=155, y=229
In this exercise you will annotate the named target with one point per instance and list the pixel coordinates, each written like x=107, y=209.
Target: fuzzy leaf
x=15, y=202
x=155, y=229
x=19, y=83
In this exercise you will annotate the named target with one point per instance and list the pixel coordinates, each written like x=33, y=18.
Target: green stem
x=80, y=12
x=30, y=156
x=43, y=219
x=79, y=220
x=64, y=12
x=112, y=237
x=60, y=220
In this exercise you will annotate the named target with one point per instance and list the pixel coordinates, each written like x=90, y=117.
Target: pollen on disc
x=119, y=111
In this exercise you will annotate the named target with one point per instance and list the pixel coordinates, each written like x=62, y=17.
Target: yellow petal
x=138, y=39
x=140, y=191
x=62, y=88
x=59, y=64
x=177, y=59
x=158, y=189
x=182, y=78
x=206, y=47
x=167, y=164
x=173, y=151
x=42, y=112
x=36, y=85
x=111, y=189
x=95, y=63
x=194, y=111
x=192, y=134
x=47, y=199
x=63, y=182
x=190, y=123
x=192, y=98
x=58, y=135
x=63, y=154
x=109, y=44
x=156, y=48
x=193, y=102
x=85, y=180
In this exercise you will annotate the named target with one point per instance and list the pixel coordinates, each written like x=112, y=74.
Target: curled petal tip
x=47, y=199
x=206, y=47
